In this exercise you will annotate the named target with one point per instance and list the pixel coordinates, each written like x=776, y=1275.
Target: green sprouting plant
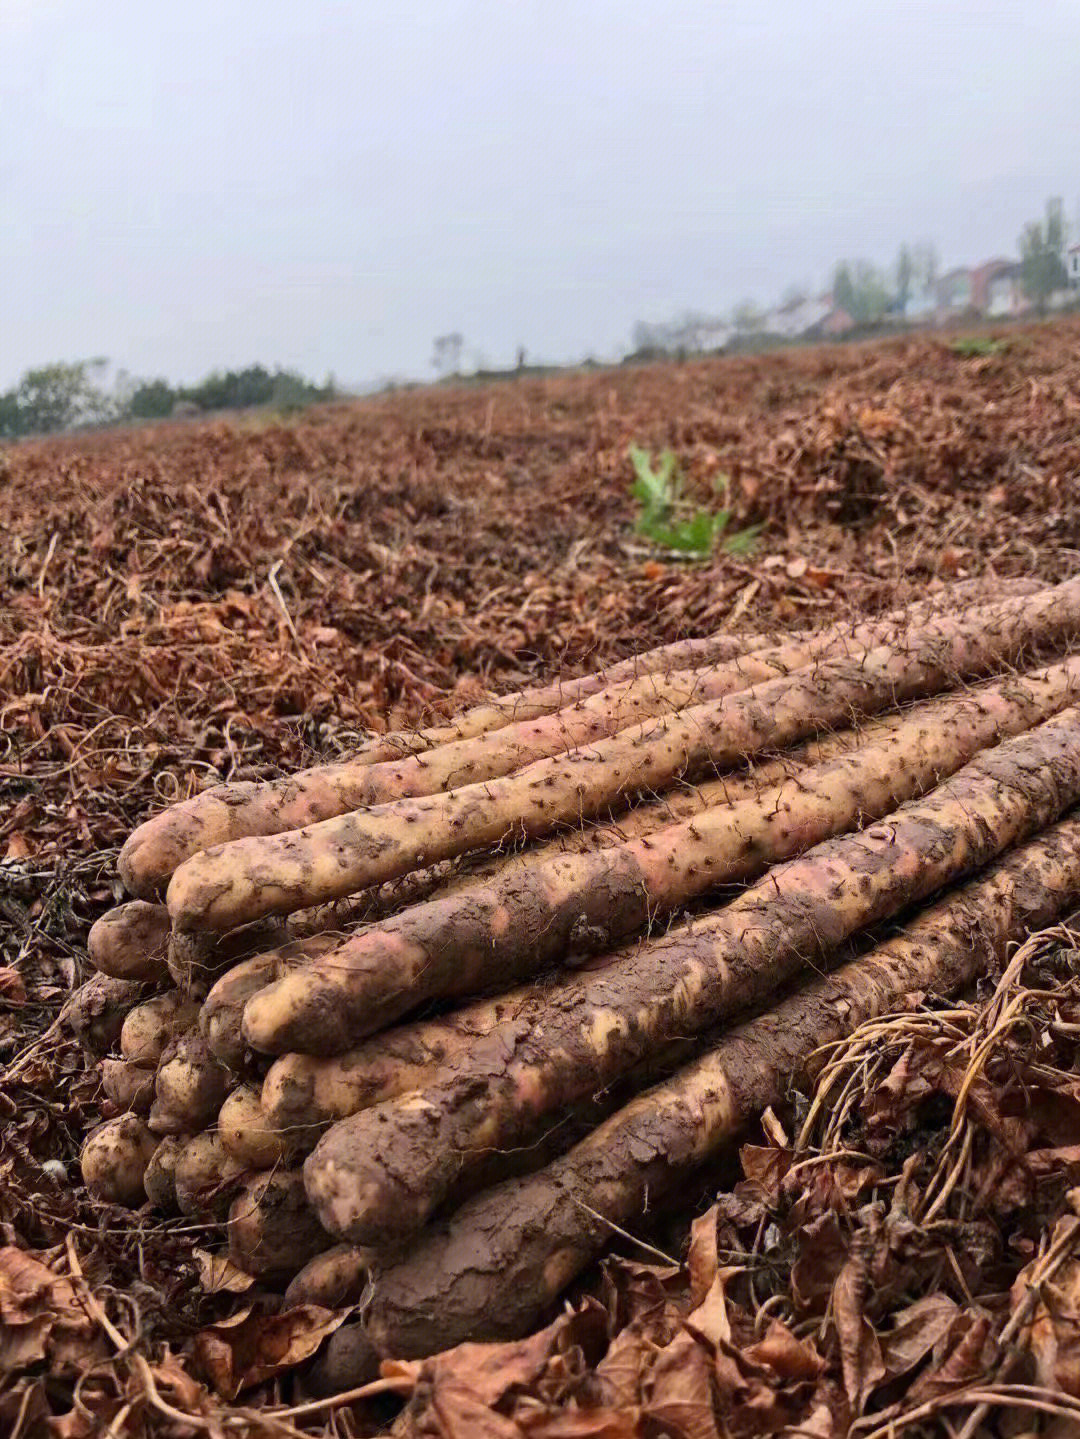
x=667, y=518
x=969, y=347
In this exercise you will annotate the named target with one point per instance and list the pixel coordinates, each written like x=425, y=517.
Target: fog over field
x=329, y=186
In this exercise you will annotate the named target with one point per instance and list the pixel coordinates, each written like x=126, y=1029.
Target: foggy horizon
x=329, y=189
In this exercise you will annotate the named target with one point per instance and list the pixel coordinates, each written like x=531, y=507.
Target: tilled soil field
x=188, y=604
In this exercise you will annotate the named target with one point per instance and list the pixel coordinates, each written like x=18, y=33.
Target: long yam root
x=232, y=883
x=492, y=1269
x=500, y=931
x=303, y=1095
x=378, y=1176
x=235, y=811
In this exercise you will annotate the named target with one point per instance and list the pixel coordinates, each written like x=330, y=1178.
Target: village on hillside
x=861, y=300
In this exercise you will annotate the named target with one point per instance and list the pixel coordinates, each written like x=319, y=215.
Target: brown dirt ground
x=184, y=603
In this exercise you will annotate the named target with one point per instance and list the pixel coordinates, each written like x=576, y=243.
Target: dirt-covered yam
x=205, y=1177
x=151, y=1027
x=492, y=1270
x=95, y=1013
x=532, y=913
x=127, y=1086
x=273, y=1230
x=130, y=942
x=230, y=884
x=333, y=1279
x=246, y=1133
x=114, y=1159
x=159, y=1181
x=190, y=1087
x=377, y=1176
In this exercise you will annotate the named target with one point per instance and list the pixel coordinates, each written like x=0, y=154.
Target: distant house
x=1071, y=261
x=809, y=319
x=954, y=292
x=996, y=290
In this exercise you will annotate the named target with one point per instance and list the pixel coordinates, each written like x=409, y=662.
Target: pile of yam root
x=420, y=1029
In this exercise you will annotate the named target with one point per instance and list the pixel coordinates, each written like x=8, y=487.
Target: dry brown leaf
x=218, y=1274
x=253, y=1346
x=12, y=987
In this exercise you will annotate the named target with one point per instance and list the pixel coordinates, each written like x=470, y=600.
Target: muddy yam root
x=130, y=942
x=378, y=1176
x=114, y=1159
x=239, y=810
x=506, y=928
x=230, y=884
x=492, y=1269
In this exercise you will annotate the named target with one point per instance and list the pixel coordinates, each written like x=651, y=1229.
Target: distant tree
x=843, y=288
x=446, y=358
x=793, y=296
x=1042, y=268
x=905, y=278
x=924, y=260
x=860, y=289
x=151, y=400
x=747, y=317
x=58, y=397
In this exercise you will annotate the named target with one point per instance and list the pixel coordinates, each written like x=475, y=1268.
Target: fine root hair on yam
x=130, y=942
x=114, y=1159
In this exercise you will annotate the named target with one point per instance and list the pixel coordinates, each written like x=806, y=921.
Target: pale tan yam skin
x=492, y=1269
x=230, y=884
x=222, y=1012
x=273, y=1231
x=190, y=1087
x=502, y=930
x=152, y=1026
x=159, y=1181
x=95, y=1013
x=333, y=1280
x=246, y=1134
x=127, y=1085
x=234, y=811
x=303, y=1095
x=114, y=1159
x=377, y=1176
x=219, y=1018
x=130, y=941
x=205, y=1177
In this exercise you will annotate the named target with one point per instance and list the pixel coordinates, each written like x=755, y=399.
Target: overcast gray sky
x=328, y=184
